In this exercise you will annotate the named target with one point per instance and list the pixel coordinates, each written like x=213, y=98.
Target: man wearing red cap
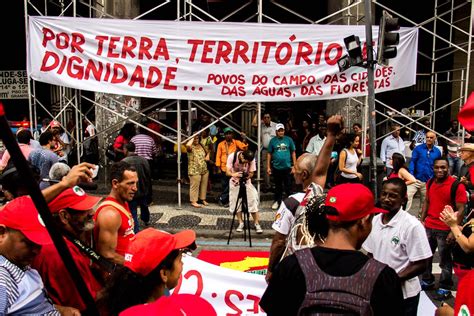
x=22, y=234
x=153, y=266
x=73, y=213
x=337, y=263
x=113, y=219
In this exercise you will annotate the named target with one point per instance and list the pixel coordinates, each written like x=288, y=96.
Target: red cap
x=74, y=198
x=174, y=305
x=54, y=124
x=21, y=214
x=150, y=246
x=352, y=201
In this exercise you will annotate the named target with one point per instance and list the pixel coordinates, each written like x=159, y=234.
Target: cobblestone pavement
x=212, y=220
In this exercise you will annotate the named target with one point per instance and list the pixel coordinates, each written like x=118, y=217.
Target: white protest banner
x=208, y=60
x=230, y=292
x=233, y=292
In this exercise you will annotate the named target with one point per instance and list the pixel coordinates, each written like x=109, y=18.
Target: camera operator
x=241, y=167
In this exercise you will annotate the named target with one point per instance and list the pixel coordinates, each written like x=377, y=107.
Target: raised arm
x=81, y=172
x=335, y=124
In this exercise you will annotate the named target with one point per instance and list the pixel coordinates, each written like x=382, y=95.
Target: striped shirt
x=22, y=291
x=144, y=146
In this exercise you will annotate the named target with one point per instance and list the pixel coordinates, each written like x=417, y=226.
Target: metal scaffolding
x=445, y=43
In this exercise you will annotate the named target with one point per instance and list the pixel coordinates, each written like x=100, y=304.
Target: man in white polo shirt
x=399, y=240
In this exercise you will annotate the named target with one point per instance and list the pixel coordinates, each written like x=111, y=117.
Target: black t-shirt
x=287, y=287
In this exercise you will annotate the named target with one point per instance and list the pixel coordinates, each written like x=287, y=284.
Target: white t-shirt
x=397, y=243
x=284, y=219
x=315, y=144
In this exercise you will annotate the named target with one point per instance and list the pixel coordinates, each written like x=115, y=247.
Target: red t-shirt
x=464, y=297
x=57, y=280
x=393, y=175
x=439, y=195
x=125, y=232
x=471, y=173
x=120, y=142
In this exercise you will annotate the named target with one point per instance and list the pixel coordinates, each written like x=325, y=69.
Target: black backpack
x=337, y=295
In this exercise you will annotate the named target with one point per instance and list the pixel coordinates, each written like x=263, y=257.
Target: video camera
x=244, y=178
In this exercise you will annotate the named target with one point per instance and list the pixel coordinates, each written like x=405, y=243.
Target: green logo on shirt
x=395, y=240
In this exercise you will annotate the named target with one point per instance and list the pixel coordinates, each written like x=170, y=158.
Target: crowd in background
x=134, y=264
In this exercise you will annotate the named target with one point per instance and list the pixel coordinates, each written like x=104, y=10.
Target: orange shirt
x=224, y=149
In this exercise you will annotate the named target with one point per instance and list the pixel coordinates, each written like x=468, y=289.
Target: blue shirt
x=391, y=145
x=422, y=161
x=43, y=159
x=22, y=291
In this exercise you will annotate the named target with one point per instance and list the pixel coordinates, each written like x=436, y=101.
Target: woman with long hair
x=152, y=267
x=349, y=159
x=400, y=169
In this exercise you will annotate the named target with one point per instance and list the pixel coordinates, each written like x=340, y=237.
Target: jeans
x=455, y=164
x=437, y=239
x=410, y=305
x=144, y=212
x=282, y=180
x=225, y=188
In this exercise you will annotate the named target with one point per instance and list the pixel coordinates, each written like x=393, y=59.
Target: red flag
x=466, y=115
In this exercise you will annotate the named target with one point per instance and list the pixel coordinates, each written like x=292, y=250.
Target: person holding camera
x=241, y=167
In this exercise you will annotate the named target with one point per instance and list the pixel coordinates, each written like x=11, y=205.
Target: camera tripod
x=243, y=202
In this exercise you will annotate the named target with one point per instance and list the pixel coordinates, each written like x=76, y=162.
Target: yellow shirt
x=183, y=149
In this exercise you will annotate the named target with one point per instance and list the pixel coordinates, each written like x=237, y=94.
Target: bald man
x=421, y=166
x=311, y=172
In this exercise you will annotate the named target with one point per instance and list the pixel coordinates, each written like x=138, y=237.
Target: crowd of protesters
x=320, y=229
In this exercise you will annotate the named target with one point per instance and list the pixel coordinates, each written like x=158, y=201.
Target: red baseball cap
x=150, y=246
x=174, y=305
x=75, y=198
x=351, y=201
x=21, y=214
x=54, y=124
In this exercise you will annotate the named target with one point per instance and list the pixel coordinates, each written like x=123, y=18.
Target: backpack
x=337, y=295
x=454, y=188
